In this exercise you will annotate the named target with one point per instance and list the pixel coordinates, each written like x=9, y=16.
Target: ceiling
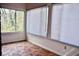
x=22, y=6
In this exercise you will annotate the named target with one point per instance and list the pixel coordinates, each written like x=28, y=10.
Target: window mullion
x=49, y=21
x=15, y=22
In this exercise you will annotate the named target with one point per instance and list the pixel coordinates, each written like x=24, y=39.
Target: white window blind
x=56, y=21
x=37, y=21
x=65, y=23
x=70, y=24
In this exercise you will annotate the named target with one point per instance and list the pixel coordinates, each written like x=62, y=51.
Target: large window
x=37, y=21
x=11, y=20
x=65, y=23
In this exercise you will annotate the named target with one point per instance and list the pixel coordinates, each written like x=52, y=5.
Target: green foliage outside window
x=11, y=20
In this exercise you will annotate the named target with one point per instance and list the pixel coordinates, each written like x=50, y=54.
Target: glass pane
x=11, y=20
x=19, y=21
x=7, y=20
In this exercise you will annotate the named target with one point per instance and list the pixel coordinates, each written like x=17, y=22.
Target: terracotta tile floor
x=24, y=49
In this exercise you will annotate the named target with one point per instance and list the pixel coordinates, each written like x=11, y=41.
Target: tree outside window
x=11, y=20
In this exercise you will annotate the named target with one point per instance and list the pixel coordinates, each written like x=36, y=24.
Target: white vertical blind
x=65, y=23
x=56, y=21
x=70, y=24
x=44, y=21
x=37, y=20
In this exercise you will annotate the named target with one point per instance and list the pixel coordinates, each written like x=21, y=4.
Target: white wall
x=11, y=37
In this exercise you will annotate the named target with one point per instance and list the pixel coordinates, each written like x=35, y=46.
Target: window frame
x=47, y=23
x=15, y=19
